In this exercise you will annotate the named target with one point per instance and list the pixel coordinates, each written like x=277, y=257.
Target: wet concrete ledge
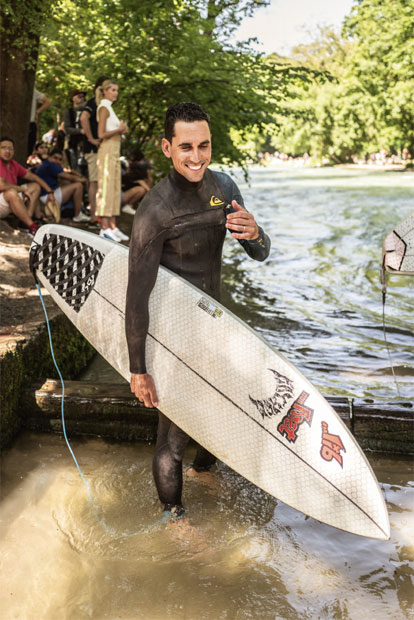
x=110, y=410
x=25, y=359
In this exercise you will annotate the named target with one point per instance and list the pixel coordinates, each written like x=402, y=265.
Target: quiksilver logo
x=215, y=202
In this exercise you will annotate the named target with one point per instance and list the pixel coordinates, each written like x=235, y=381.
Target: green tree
x=161, y=53
x=382, y=60
x=366, y=102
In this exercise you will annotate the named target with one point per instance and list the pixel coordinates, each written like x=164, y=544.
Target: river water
x=68, y=554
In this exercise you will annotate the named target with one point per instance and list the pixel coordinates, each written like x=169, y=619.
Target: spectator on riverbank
x=40, y=103
x=65, y=185
x=89, y=123
x=73, y=128
x=110, y=130
x=14, y=197
x=40, y=153
x=136, y=181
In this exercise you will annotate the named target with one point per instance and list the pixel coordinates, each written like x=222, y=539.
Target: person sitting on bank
x=66, y=185
x=13, y=196
x=135, y=182
x=40, y=153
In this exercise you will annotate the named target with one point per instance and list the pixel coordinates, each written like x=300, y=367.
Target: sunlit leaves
x=160, y=52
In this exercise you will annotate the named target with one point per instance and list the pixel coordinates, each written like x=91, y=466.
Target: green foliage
x=161, y=52
x=366, y=102
x=32, y=361
x=21, y=25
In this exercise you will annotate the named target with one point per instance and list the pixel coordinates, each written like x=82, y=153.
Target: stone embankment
x=24, y=346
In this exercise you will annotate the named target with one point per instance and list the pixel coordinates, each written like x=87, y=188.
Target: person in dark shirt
x=89, y=125
x=73, y=129
x=181, y=224
x=53, y=173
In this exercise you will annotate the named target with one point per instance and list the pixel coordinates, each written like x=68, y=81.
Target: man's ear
x=166, y=147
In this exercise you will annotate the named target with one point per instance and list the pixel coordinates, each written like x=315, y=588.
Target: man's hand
x=94, y=141
x=242, y=223
x=143, y=387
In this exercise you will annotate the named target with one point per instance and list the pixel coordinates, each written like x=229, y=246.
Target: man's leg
x=74, y=191
x=167, y=464
x=133, y=195
x=203, y=460
x=17, y=207
x=33, y=190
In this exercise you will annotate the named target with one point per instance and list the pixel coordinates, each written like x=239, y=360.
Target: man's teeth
x=195, y=168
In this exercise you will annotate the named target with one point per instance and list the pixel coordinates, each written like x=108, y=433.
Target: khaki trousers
x=108, y=197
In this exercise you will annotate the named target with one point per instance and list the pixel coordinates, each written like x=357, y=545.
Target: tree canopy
x=366, y=102
x=161, y=52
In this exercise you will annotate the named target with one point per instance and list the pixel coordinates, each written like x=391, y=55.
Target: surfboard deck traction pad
x=70, y=266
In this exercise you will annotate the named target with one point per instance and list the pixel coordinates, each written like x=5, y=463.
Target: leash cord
x=384, y=292
x=166, y=515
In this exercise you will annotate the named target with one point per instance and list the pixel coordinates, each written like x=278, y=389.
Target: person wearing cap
x=73, y=129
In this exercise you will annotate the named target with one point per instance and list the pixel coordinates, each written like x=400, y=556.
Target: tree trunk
x=17, y=75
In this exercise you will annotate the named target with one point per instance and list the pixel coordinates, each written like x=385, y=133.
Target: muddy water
x=241, y=554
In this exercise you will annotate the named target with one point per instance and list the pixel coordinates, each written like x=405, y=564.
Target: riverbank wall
x=25, y=357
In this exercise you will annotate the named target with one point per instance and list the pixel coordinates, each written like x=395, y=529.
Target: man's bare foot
x=207, y=478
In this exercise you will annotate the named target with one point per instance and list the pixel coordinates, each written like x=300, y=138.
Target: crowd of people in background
x=76, y=170
x=381, y=158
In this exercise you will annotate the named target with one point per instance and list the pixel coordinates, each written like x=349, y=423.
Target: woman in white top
x=110, y=129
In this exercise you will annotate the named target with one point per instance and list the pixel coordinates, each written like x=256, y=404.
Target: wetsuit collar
x=182, y=182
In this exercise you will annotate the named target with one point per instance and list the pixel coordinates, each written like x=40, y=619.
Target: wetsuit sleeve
x=259, y=248
x=147, y=240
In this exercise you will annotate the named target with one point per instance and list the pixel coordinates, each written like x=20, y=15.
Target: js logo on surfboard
x=295, y=417
x=331, y=445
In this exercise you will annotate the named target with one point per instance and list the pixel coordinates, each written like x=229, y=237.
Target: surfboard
x=398, y=248
x=219, y=381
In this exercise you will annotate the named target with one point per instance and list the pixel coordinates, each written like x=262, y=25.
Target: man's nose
x=195, y=154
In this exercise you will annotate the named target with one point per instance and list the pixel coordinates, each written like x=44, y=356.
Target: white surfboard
x=398, y=248
x=219, y=381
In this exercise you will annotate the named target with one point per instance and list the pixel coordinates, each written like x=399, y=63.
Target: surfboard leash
x=166, y=517
x=384, y=295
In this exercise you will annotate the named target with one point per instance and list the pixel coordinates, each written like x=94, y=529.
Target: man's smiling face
x=6, y=150
x=189, y=149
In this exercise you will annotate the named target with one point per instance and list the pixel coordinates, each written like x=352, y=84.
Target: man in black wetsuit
x=181, y=224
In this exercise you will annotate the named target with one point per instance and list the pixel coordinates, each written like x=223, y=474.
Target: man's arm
x=147, y=240
x=30, y=176
x=73, y=177
x=86, y=126
x=45, y=104
x=70, y=129
x=241, y=223
x=4, y=186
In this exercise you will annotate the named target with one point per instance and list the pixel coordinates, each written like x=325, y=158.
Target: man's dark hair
x=6, y=138
x=185, y=111
x=55, y=151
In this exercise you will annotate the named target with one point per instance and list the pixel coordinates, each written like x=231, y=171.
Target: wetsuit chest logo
x=215, y=202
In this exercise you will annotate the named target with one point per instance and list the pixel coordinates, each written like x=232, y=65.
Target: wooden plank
x=110, y=410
